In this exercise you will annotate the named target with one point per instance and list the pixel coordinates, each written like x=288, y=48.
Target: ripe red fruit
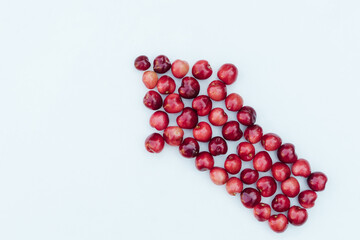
x=234, y=186
x=246, y=151
x=286, y=153
x=278, y=223
x=142, y=63
x=246, y=116
x=173, y=135
x=201, y=70
x=154, y=143
x=249, y=176
x=290, y=187
x=187, y=119
x=204, y=161
x=253, y=134
x=228, y=73
x=218, y=117
x=317, y=181
x=189, y=148
x=307, y=198
x=231, y=131
x=217, y=146
x=159, y=120
x=280, y=171
x=232, y=164
x=266, y=186
x=150, y=79
x=173, y=103
x=280, y=203
x=297, y=216
x=202, y=132
x=234, y=102
x=179, y=68
x=161, y=64
x=217, y=90
x=271, y=141
x=262, y=212
x=250, y=197
x=166, y=85
x=262, y=161
x=189, y=88
x=202, y=104
x=219, y=176
x=152, y=100
x=301, y=168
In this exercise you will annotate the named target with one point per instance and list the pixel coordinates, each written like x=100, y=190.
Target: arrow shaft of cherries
x=202, y=132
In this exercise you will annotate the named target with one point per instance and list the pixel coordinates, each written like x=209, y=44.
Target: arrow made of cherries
x=202, y=132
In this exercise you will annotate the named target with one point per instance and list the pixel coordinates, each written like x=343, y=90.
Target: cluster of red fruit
x=202, y=132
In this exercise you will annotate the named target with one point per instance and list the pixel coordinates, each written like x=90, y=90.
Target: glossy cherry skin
x=202, y=132
x=179, y=68
x=150, y=79
x=166, y=85
x=202, y=104
x=228, y=73
x=218, y=117
x=218, y=175
x=301, y=168
x=189, y=148
x=201, y=70
x=159, y=120
x=262, y=212
x=187, y=119
x=280, y=171
x=290, y=187
x=246, y=116
x=217, y=90
x=234, y=186
x=280, y=203
x=266, y=186
x=307, y=198
x=317, y=181
x=297, y=216
x=217, y=146
x=142, y=63
x=253, y=134
x=232, y=164
x=234, y=102
x=204, y=161
x=152, y=100
x=246, y=151
x=173, y=103
x=271, y=141
x=154, y=143
x=161, y=64
x=249, y=176
x=189, y=88
x=250, y=197
x=278, y=223
x=231, y=131
x=173, y=135
x=286, y=153
x=262, y=162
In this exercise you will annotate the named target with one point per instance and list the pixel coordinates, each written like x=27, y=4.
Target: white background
x=72, y=121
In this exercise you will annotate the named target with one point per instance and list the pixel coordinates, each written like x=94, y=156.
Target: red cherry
x=234, y=186
x=231, y=131
x=202, y=104
x=271, y=141
x=173, y=135
x=232, y=164
x=166, y=85
x=297, y=216
x=202, y=132
x=317, y=181
x=142, y=63
x=189, y=88
x=217, y=90
x=201, y=70
x=249, y=176
x=159, y=120
x=152, y=100
x=246, y=151
x=286, y=153
x=150, y=79
x=217, y=146
x=246, y=116
x=262, y=161
x=307, y=198
x=218, y=117
x=262, y=212
x=253, y=134
x=187, y=119
x=278, y=223
x=228, y=73
x=173, y=103
x=204, y=161
x=290, y=187
x=250, y=197
x=154, y=143
x=161, y=64
x=189, y=148
x=266, y=186
x=280, y=171
x=218, y=176
x=280, y=203
x=234, y=102
x=179, y=68
x=301, y=168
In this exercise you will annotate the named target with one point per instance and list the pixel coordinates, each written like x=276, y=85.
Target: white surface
x=72, y=125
